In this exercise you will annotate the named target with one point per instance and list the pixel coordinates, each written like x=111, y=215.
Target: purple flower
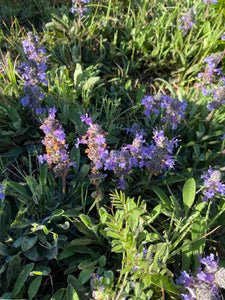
x=95, y=140
x=187, y=20
x=205, y=284
x=2, y=192
x=210, y=1
x=173, y=109
x=212, y=184
x=78, y=8
x=33, y=72
x=55, y=145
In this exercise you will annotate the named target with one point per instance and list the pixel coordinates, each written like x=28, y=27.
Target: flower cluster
x=102, y=288
x=174, y=108
x=97, y=285
x=120, y=162
x=210, y=79
x=55, y=145
x=205, y=284
x=187, y=20
x=95, y=140
x=161, y=156
x=146, y=260
x=33, y=72
x=210, y=1
x=77, y=7
x=154, y=157
x=212, y=184
x=2, y=192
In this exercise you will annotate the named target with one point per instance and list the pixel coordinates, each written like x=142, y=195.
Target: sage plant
x=56, y=147
x=205, y=284
x=33, y=72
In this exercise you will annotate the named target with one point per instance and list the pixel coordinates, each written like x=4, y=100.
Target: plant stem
x=64, y=187
x=210, y=115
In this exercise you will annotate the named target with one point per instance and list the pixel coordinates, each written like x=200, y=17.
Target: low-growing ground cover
x=112, y=150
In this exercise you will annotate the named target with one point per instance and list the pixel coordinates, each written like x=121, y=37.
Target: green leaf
x=114, y=235
x=28, y=242
x=13, y=269
x=162, y=196
x=59, y=295
x=34, y=286
x=3, y=250
x=102, y=261
x=75, y=157
x=77, y=77
x=186, y=255
x=90, y=82
x=40, y=270
x=189, y=191
x=199, y=229
x=22, y=278
x=85, y=275
x=4, y=223
x=43, y=175
x=155, y=213
x=57, y=215
x=20, y=189
x=86, y=219
x=103, y=214
x=71, y=293
x=84, y=241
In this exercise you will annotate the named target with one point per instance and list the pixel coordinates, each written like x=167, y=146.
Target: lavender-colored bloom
x=212, y=184
x=25, y=101
x=95, y=140
x=212, y=60
x=211, y=265
x=152, y=104
x=78, y=8
x=97, y=284
x=139, y=259
x=174, y=109
x=55, y=145
x=162, y=154
x=205, y=284
x=210, y=81
x=33, y=72
x=219, y=97
x=210, y=1
x=187, y=20
x=2, y=192
x=223, y=37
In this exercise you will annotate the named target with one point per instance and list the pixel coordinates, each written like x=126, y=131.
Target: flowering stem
x=210, y=115
x=196, y=96
x=206, y=12
x=80, y=8
x=64, y=187
x=218, y=156
x=122, y=286
x=149, y=178
x=222, y=55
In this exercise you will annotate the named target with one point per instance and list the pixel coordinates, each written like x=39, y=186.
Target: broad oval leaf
x=28, y=242
x=189, y=191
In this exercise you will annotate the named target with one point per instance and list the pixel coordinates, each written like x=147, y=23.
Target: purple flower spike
x=55, y=145
x=33, y=72
x=2, y=192
x=173, y=108
x=212, y=184
x=187, y=20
